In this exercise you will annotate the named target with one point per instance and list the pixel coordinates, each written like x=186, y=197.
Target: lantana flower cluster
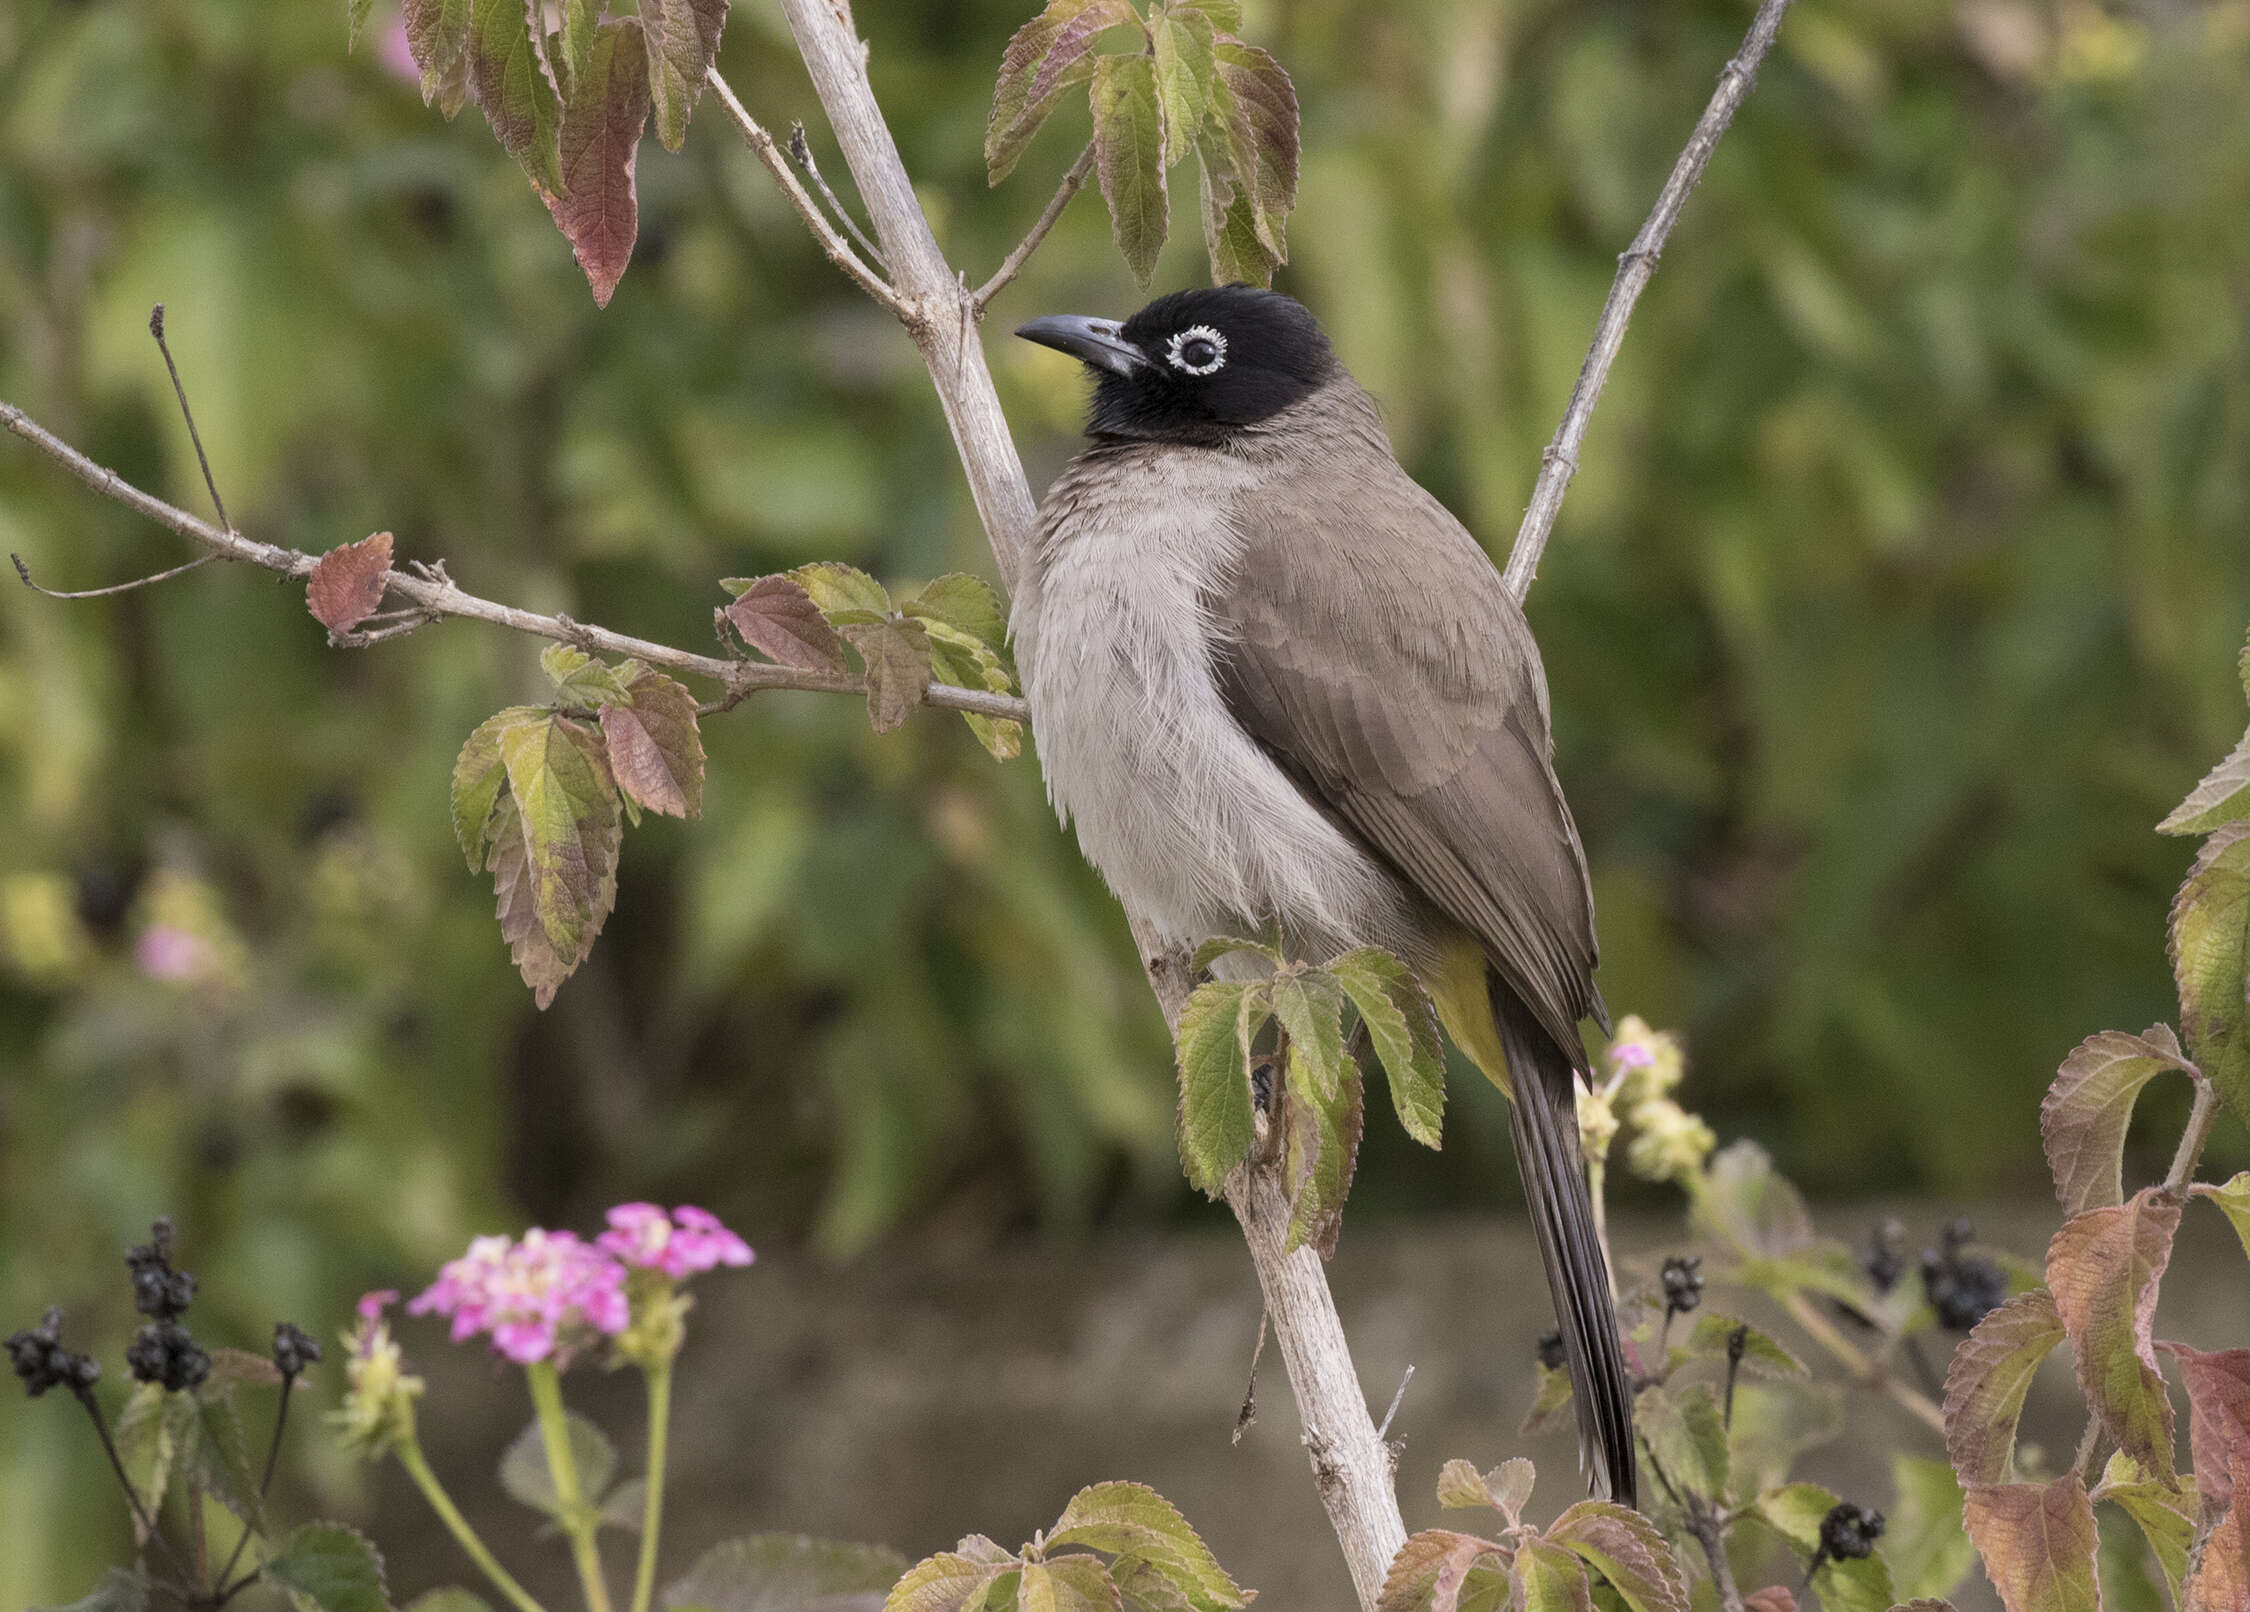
x=1644, y=1066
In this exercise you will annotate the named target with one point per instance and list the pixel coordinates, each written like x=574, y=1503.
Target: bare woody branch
x=1012, y=264
x=1560, y=462
x=432, y=596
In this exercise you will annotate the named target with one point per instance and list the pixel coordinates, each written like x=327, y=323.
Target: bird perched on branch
x=1275, y=682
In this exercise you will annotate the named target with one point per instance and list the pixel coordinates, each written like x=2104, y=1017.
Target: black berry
x=1683, y=1283
x=1550, y=1348
x=1848, y=1533
x=159, y=1292
x=293, y=1348
x=42, y=1362
x=164, y=1352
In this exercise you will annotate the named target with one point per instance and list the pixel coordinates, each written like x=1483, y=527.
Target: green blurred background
x=1898, y=597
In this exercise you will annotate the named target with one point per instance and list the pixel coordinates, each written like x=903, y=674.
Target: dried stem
x=800, y=152
x=434, y=595
x=115, y=588
x=1560, y=462
x=210, y=485
x=1012, y=264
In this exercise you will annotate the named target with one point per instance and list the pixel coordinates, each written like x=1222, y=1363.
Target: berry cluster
x=1962, y=1288
x=163, y=1351
x=43, y=1363
x=1551, y=1350
x=1683, y=1283
x=1848, y=1533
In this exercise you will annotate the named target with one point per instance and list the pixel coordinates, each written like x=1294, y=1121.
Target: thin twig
x=1855, y=1361
x=1560, y=462
x=210, y=485
x=1249, y=1412
x=838, y=249
x=800, y=151
x=433, y=595
x=1012, y=264
x=24, y=571
x=1383, y=1428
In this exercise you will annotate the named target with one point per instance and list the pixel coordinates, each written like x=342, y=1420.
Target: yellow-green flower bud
x=1669, y=1142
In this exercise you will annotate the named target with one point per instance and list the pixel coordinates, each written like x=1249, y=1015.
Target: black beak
x=1091, y=341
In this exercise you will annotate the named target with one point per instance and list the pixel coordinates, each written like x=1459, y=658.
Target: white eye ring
x=1195, y=333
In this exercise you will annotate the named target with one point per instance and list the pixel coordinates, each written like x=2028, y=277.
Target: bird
x=1276, y=687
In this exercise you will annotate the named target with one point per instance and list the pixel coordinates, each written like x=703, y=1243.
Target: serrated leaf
x=2090, y=1105
x=1505, y=1488
x=2222, y=797
x=1129, y=143
x=2163, y=1513
x=582, y=680
x=1924, y=1542
x=347, y=583
x=1212, y=1042
x=566, y=800
x=2038, y=1542
x=1748, y=1204
x=969, y=604
x=118, y=1591
x=1431, y=1568
x=513, y=82
x=331, y=1566
x=2233, y=1201
x=1795, y=1511
x=968, y=649
x=1713, y=1339
x=1550, y=1579
x=2220, y=1581
x=2218, y=1390
x=1184, y=42
x=791, y=1573
x=437, y=35
x=146, y=1444
x=508, y=859
x=1048, y=55
x=210, y=1451
x=1985, y=1385
x=1219, y=946
x=1402, y=1027
x=1322, y=1155
x=2209, y=938
x=779, y=619
x=1310, y=1007
x=1082, y=1584
x=1144, y=1587
x=683, y=41
x=1688, y=1435
x=525, y=1475
x=895, y=654
x=1548, y=1400
x=598, y=210
x=449, y=1598
x=2103, y=1268
x=656, y=746
x=478, y=778
x=1225, y=15
x=843, y=592
x=1257, y=104
x=1131, y=1519
x=1625, y=1548
x=1230, y=230
x=355, y=23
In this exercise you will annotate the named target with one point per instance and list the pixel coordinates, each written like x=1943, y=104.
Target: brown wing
x=1376, y=654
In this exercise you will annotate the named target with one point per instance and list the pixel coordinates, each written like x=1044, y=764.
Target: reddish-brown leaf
x=1625, y=1548
x=656, y=746
x=779, y=619
x=2218, y=1389
x=1773, y=1598
x=1429, y=1568
x=2037, y=1541
x=599, y=214
x=683, y=41
x=2221, y=1580
x=437, y=35
x=1986, y=1383
x=347, y=583
x=2104, y=1266
x=896, y=653
x=2088, y=1108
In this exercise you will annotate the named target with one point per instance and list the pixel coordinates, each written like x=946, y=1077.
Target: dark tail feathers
x=1546, y=1133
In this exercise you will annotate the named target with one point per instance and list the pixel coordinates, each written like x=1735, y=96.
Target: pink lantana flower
x=682, y=1244
x=538, y=1297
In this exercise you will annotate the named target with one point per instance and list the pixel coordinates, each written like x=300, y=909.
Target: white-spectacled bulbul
x=1274, y=682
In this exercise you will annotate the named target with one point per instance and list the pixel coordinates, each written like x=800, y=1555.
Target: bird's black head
x=1194, y=366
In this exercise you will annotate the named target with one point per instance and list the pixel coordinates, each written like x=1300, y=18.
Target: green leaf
x=118, y=1591
x=1048, y=55
x=2090, y=1105
x=2163, y=1513
x=1548, y=1400
x=1985, y=1385
x=1225, y=15
x=2233, y=1200
x=2037, y=1541
x=1129, y=144
x=1185, y=66
x=895, y=654
x=1219, y=946
x=1505, y=1488
x=356, y=23
x=331, y=1566
x=1402, y=1027
x=1080, y=1584
x=582, y=680
x=210, y=1451
x=559, y=779
x=598, y=210
x=656, y=745
x=1256, y=104
x=778, y=618
x=1551, y=1579
x=1625, y=1548
x=1713, y=1339
x=1795, y=1511
x=515, y=84
x=1311, y=1009
x=2222, y=798
x=1131, y=1519
x=969, y=604
x=1749, y=1205
x=449, y=1598
x=147, y=1443
x=1323, y=1151
x=525, y=1475
x=1928, y=1551
x=683, y=41
x=571, y=50
x=791, y=1573
x=1213, y=1045
x=437, y=34
x=2210, y=947
x=1431, y=1569
x=968, y=633
x=1230, y=229
x=1144, y=1587
x=2103, y=1267
x=844, y=593
x=1688, y=1435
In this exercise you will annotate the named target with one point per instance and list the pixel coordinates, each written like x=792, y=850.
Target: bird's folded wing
x=1372, y=648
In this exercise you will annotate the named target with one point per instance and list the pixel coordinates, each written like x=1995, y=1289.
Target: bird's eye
x=1198, y=350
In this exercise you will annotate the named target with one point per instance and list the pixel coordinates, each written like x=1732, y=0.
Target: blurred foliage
x=1897, y=597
